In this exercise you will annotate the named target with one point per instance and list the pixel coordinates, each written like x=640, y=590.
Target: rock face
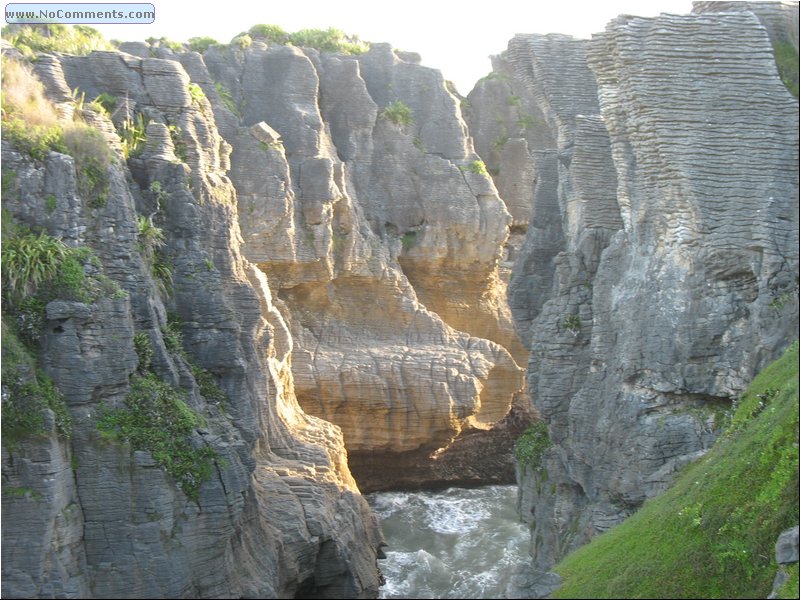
x=281, y=515
x=381, y=238
x=319, y=248
x=659, y=268
x=786, y=554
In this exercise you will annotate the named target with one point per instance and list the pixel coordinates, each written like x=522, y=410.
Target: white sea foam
x=458, y=543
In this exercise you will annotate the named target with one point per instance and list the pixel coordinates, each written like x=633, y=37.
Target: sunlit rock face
x=659, y=268
x=381, y=236
x=280, y=514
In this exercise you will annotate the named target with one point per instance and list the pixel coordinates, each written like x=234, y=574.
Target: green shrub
x=40, y=268
x=151, y=242
x=29, y=319
x=10, y=184
x=36, y=141
x=242, y=41
x=227, y=98
x=409, y=239
x=499, y=142
x=786, y=59
x=478, y=167
x=29, y=393
x=269, y=33
x=151, y=238
x=107, y=102
x=531, y=446
x=328, y=40
x=162, y=271
x=208, y=386
x=201, y=44
x=164, y=42
x=77, y=39
x=526, y=121
x=21, y=492
x=160, y=195
x=157, y=419
x=399, y=113
x=175, y=134
x=172, y=333
x=196, y=92
x=144, y=351
x=572, y=323
x=30, y=260
x=70, y=283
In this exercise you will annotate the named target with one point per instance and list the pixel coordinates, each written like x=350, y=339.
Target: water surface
x=456, y=543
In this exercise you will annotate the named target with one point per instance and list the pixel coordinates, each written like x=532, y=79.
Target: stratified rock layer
x=382, y=240
x=659, y=270
x=281, y=515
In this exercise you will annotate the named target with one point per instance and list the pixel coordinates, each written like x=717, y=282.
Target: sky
x=455, y=37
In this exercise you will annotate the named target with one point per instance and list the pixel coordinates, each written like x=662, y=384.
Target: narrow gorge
x=268, y=278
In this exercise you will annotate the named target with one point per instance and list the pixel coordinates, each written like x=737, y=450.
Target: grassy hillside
x=712, y=534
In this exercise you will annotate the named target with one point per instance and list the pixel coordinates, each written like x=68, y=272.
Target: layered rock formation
x=381, y=239
x=659, y=269
x=318, y=247
x=281, y=514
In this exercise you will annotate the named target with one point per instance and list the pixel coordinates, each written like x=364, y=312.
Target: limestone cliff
x=279, y=514
x=285, y=226
x=659, y=268
x=381, y=237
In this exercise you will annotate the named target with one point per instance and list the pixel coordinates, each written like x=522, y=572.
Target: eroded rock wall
x=381, y=238
x=659, y=270
x=281, y=515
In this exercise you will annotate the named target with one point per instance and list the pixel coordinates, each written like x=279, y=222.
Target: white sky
x=455, y=37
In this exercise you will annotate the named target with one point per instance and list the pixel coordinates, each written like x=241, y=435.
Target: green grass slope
x=713, y=533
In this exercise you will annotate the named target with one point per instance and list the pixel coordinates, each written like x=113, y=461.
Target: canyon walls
x=381, y=237
x=278, y=514
x=659, y=268
x=332, y=266
x=275, y=227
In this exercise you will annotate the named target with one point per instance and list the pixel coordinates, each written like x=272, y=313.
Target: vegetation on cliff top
x=713, y=533
x=81, y=39
x=77, y=39
x=324, y=40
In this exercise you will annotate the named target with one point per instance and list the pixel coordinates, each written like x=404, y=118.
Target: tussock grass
x=30, y=121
